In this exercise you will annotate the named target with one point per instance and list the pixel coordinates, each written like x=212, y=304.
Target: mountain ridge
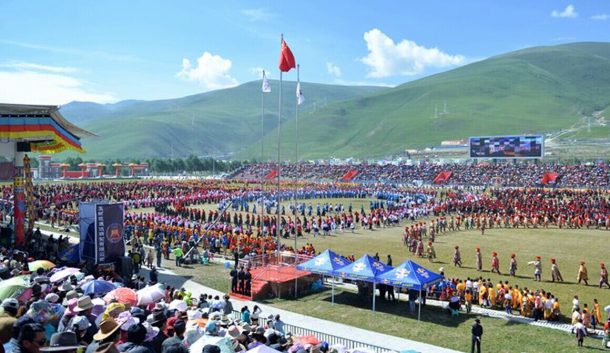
x=533, y=90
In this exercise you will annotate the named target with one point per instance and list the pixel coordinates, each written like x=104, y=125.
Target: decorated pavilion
x=38, y=129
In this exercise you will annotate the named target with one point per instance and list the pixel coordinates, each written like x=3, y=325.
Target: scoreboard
x=522, y=146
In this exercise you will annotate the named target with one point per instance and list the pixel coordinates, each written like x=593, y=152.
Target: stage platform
x=277, y=281
x=277, y=273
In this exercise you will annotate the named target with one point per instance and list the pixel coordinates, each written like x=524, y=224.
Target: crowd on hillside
x=483, y=174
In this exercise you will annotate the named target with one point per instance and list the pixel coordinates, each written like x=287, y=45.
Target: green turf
x=568, y=246
x=435, y=327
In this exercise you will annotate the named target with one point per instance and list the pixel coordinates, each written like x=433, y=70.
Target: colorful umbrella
x=313, y=340
x=63, y=274
x=223, y=343
x=150, y=294
x=97, y=287
x=179, y=305
x=13, y=287
x=45, y=264
x=122, y=295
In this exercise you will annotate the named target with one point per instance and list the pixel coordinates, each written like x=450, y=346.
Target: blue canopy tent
x=365, y=269
x=410, y=275
x=327, y=263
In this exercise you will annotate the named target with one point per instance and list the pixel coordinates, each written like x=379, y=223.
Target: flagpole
x=262, y=161
x=279, y=137
x=296, y=176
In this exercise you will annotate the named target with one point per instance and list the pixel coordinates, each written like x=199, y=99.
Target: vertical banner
x=19, y=206
x=87, y=231
x=101, y=232
x=110, y=245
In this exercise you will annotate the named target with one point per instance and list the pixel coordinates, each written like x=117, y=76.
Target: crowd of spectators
x=463, y=174
x=62, y=309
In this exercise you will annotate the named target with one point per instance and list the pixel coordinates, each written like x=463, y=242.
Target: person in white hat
x=83, y=308
x=80, y=324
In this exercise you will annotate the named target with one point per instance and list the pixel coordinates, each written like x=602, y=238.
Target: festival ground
x=435, y=327
x=567, y=246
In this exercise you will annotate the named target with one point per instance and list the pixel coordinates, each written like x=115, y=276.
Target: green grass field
x=567, y=246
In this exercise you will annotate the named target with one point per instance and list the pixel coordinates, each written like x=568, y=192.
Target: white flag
x=266, y=85
x=300, y=98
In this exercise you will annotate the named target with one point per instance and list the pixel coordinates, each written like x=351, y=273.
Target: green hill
x=534, y=90
x=217, y=123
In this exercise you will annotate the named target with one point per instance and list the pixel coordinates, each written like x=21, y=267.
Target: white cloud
x=258, y=72
x=96, y=54
x=42, y=84
x=211, y=71
x=600, y=17
x=19, y=65
x=405, y=58
x=568, y=12
x=257, y=15
x=333, y=69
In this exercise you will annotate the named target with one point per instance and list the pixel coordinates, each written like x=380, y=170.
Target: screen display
x=507, y=146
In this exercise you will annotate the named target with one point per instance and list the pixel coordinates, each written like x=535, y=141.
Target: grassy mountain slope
x=213, y=123
x=533, y=90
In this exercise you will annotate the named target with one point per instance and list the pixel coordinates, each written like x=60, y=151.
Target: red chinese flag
x=287, y=61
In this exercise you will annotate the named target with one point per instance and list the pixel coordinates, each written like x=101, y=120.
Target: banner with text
x=110, y=245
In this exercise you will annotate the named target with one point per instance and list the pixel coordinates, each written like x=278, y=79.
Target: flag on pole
x=266, y=86
x=287, y=61
x=300, y=97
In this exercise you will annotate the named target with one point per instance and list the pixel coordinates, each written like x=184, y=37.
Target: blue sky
x=53, y=52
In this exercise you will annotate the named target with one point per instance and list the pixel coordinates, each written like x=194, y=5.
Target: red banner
x=349, y=175
x=272, y=174
x=442, y=177
x=549, y=178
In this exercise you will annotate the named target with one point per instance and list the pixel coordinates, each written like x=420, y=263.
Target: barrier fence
x=331, y=339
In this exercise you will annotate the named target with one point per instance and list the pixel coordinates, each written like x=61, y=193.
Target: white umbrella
x=178, y=304
x=223, y=342
x=150, y=294
x=263, y=349
x=64, y=273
